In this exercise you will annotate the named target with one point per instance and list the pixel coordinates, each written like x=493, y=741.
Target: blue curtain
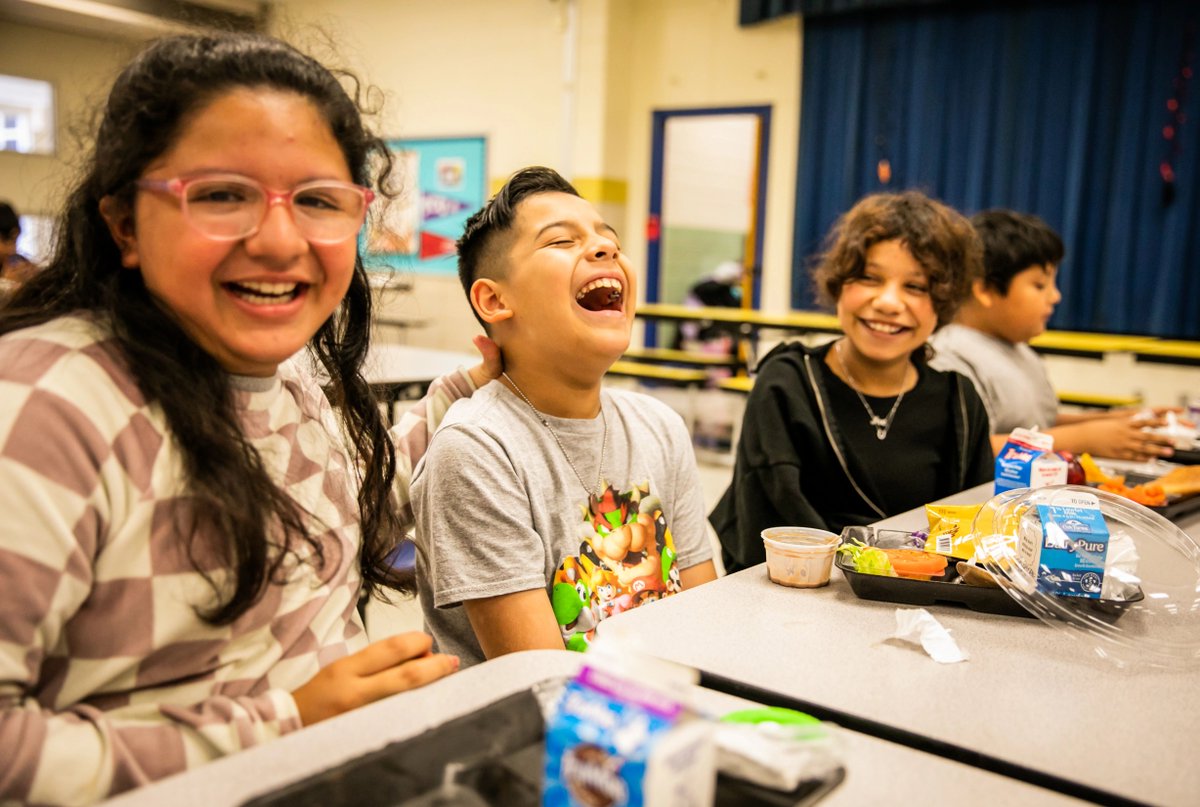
x=1058, y=109
x=754, y=11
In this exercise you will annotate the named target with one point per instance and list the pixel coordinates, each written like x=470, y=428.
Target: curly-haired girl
x=862, y=428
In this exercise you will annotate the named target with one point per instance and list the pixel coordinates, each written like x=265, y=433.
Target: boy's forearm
x=510, y=623
x=1071, y=418
x=1070, y=436
x=699, y=574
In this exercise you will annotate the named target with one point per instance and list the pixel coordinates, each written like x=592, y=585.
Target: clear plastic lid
x=800, y=539
x=1133, y=593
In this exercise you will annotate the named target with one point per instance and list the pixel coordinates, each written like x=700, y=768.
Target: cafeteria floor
x=385, y=619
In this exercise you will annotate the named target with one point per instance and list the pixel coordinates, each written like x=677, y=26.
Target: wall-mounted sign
x=442, y=181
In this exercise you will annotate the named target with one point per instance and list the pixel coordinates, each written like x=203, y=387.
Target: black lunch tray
x=1175, y=507
x=501, y=750
x=947, y=589
x=1186, y=456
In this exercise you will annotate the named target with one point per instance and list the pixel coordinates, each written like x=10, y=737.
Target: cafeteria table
x=1079, y=344
x=877, y=771
x=1031, y=702
x=1170, y=352
x=748, y=321
x=401, y=372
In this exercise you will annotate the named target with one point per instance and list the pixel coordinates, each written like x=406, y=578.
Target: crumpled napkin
x=918, y=626
x=1183, y=436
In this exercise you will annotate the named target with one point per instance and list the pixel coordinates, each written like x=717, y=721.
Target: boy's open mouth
x=603, y=294
x=265, y=293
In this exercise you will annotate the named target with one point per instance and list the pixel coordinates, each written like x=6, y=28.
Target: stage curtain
x=754, y=11
x=1058, y=109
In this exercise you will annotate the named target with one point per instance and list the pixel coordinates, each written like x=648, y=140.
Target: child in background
x=188, y=521
x=15, y=268
x=546, y=503
x=862, y=428
x=988, y=342
x=720, y=288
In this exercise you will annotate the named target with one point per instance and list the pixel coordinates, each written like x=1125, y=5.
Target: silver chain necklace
x=554, y=434
x=882, y=425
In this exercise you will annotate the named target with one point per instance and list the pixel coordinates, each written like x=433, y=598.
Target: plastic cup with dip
x=801, y=557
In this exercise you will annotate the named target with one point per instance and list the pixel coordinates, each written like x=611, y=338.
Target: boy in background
x=989, y=343
x=549, y=504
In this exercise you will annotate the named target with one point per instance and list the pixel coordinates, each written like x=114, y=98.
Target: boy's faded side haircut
x=477, y=254
x=1013, y=242
x=939, y=238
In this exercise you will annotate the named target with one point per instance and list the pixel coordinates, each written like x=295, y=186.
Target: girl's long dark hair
x=236, y=507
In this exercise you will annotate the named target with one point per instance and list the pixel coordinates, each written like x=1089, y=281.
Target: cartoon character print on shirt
x=626, y=558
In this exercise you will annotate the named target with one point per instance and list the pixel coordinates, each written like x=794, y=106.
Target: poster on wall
x=443, y=182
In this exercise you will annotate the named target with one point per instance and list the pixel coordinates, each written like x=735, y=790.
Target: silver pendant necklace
x=882, y=425
x=554, y=434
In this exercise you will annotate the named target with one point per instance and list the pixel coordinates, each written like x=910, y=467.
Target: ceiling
x=135, y=19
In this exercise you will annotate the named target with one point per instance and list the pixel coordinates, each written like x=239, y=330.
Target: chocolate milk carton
x=614, y=741
x=1028, y=461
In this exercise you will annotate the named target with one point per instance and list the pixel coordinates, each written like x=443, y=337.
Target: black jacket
x=793, y=467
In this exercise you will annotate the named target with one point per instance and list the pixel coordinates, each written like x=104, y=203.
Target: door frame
x=654, y=217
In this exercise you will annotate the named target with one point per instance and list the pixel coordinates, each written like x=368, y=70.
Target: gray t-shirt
x=1010, y=378
x=499, y=510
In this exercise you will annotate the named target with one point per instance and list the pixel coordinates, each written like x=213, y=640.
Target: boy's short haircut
x=477, y=256
x=1013, y=242
x=939, y=238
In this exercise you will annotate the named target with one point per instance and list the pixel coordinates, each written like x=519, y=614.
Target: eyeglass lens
x=227, y=208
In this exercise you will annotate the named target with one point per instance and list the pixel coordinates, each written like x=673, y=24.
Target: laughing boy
x=547, y=503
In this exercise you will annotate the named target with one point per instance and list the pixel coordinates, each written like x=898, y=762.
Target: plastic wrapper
x=1077, y=557
x=950, y=529
x=776, y=748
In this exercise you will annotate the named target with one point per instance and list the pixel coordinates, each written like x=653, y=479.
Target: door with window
x=707, y=206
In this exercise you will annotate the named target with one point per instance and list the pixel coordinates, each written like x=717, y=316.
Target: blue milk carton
x=1028, y=461
x=1067, y=555
x=614, y=741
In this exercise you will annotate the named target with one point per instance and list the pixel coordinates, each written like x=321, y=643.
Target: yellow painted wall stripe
x=602, y=189
x=597, y=190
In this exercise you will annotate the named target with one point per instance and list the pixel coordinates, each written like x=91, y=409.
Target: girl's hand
x=391, y=665
x=491, y=366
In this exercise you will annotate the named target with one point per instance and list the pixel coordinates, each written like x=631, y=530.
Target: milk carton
x=614, y=741
x=1028, y=461
x=1066, y=554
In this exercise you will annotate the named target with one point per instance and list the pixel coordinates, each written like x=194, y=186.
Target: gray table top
x=401, y=364
x=877, y=771
x=1029, y=694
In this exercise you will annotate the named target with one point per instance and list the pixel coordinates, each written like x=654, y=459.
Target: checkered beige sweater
x=108, y=679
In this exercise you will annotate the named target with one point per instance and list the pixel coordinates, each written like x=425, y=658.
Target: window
x=26, y=115
x=36, y=238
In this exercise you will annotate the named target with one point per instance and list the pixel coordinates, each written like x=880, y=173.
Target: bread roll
x=1183, y=481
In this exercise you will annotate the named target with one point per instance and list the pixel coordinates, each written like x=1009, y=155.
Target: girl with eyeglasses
x=189, y=520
